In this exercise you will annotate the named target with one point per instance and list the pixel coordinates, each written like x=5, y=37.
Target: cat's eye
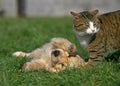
x=94, y=24
x=87, y=24
x=79, y=25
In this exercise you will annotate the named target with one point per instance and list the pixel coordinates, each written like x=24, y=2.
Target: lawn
x=27, y=34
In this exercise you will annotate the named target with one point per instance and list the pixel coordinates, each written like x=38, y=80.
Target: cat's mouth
x=92, y=31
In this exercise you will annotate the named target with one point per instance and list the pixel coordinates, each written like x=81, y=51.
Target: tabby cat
x=98, y=33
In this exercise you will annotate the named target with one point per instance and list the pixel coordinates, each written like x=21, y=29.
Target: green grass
x=26, y=34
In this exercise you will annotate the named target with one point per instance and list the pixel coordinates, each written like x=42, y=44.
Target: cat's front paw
x=19, y=54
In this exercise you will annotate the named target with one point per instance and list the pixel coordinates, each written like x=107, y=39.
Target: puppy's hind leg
x=21, y=54
x=34, y=65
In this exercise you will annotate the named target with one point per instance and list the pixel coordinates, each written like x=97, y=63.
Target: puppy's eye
x=56, y=53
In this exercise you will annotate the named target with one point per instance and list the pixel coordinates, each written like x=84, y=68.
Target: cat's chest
x=84, y=39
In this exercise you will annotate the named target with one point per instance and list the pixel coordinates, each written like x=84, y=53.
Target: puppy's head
x=59, y=56
x=64, y=44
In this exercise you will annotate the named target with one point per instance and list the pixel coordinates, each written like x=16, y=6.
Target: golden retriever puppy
x=44, y=57
x=66, y=60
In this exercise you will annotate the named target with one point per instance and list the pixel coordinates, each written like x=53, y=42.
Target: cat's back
x=111, y=13
x=110, y=27
x=110, y=18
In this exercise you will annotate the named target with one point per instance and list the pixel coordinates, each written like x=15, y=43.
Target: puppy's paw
x=52, y=70
x=19, y=54
x=26, y=67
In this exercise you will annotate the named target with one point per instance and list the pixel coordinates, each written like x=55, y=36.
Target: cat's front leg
x=96, y=50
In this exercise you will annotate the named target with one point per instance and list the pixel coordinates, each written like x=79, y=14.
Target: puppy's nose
x=56, y=53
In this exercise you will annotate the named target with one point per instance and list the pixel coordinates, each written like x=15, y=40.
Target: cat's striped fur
x=102, y=36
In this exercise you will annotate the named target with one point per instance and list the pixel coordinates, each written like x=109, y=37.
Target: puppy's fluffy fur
x=46, y=56
x=69, y=61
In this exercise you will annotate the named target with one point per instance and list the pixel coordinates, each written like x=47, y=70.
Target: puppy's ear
x=72, y=49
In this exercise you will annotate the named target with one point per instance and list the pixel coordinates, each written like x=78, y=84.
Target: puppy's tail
x=21, y=54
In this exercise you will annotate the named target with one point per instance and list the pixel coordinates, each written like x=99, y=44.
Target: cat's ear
x=95, y=12
x=75, y=15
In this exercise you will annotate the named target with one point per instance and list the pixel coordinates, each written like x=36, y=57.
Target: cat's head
x=86, y=22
